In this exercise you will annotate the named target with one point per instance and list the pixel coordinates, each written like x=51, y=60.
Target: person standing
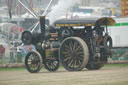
x=12, y=58
x=2, y=52
x=19, y=53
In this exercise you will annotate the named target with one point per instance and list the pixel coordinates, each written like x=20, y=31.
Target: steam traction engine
x=75, y=43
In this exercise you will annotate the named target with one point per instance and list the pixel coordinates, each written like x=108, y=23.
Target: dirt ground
x=104, y=76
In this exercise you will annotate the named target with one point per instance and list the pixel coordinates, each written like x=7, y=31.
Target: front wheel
x=51, y=64
x=33, y=62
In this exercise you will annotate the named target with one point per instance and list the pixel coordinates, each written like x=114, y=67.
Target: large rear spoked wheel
x=73, y=54
x=33, y=62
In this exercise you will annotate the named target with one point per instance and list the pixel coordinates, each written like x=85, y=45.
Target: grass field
x=61, y=68
x=110, y=74
x=105, y=66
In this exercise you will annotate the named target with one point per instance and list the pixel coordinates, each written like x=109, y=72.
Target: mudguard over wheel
x=73, y=54
x=51, y=64
x=33, y=62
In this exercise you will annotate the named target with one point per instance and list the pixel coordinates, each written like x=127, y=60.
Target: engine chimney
x=42, y=26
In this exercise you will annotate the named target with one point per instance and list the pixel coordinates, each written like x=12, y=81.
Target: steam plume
x=60, y=9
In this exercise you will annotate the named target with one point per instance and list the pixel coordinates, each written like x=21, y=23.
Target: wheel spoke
x=80, y=49
x=77, y=48
x=80, y=58
x=75, y=62
x=79, y=62
x=54, y=65
x=29, y=60
x=67, y=47
x=70, y=63
x=74, y=46
x=79, y=53
x=68, y=55
x=67, y=58
x=65, y=53
x=70, y=46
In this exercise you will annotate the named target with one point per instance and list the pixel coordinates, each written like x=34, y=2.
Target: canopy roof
x=84, y=22
x=106, y=21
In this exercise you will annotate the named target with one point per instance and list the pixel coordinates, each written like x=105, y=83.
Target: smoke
x=60, y=9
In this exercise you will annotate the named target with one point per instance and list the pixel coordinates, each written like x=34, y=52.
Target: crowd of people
x=17, y=52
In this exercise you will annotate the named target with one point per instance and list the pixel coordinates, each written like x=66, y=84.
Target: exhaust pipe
x=42, y=27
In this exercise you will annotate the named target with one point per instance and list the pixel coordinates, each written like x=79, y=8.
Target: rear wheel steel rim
x=72, y=54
